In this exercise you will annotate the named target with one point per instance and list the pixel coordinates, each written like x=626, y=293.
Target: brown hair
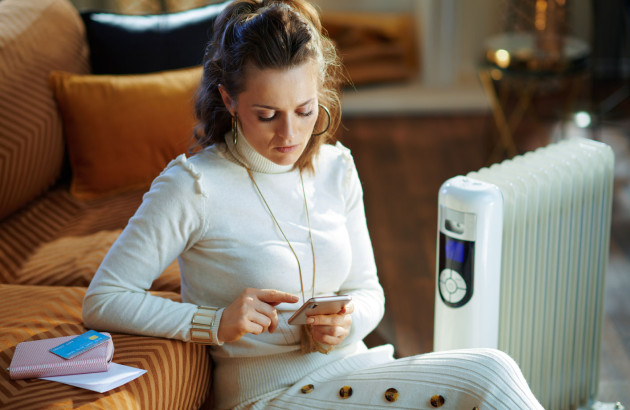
x=274, y=34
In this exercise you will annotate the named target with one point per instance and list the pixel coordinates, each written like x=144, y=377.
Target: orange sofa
x=67, y=188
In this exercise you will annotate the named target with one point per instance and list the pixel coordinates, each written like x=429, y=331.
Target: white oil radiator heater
x=522, y=252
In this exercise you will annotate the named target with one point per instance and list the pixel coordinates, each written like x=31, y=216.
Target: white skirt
x=459, y=379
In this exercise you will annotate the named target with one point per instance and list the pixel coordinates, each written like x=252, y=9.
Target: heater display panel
x=456, y=270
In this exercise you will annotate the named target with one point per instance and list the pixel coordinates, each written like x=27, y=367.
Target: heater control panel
x=452, y=286
x=456, y=270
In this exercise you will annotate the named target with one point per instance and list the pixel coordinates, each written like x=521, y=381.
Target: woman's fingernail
x=310, y=320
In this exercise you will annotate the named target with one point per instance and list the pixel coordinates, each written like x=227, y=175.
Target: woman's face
x=277, y=111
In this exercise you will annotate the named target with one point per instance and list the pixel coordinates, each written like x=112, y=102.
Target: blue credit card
x=79, y=344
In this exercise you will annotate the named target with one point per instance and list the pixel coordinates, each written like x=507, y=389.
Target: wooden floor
x=402, y=161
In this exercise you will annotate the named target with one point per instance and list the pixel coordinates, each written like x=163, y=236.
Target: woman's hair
x=268, y=34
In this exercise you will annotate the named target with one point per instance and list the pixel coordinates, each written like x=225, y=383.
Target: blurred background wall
x=447, y=38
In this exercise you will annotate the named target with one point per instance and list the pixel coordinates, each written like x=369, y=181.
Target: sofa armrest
x=36, y=37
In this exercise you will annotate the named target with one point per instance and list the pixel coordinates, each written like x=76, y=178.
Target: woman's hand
x=252, y=312
x=332, y=329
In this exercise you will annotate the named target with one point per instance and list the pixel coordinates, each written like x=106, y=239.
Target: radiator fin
x=556, y=237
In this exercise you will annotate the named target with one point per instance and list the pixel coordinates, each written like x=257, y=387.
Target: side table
x=514, y=62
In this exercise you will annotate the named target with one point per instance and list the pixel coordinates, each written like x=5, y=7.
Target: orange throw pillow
x=122, y=130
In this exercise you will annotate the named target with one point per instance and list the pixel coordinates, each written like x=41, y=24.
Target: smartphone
x=322, y=305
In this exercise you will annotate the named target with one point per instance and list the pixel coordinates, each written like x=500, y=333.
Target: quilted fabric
x=34, y=359
x=178, y=373
x=31, y=138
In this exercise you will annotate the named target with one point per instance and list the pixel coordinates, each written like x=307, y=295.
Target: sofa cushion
x=58, y=240
x=53, y=216
x=178, y=374
x=122, y=130
x=128, y=44
x=36, y=37
x=73, y=261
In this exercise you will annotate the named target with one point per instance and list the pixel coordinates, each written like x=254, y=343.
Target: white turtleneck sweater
x=206, y=212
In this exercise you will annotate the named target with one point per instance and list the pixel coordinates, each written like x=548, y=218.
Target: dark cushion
x=129, y=44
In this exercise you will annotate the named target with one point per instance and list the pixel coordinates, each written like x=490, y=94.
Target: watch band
x=201, y=325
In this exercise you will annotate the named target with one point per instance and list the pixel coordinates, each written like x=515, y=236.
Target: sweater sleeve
x=362, y=282
x=169, y=221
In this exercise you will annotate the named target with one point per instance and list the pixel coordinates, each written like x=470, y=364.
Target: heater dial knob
x=452, y=286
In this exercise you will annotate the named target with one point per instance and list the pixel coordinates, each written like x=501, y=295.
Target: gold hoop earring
x=327, y=126
x=234, y=129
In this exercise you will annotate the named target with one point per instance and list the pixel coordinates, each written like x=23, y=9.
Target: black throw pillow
x=131, y=44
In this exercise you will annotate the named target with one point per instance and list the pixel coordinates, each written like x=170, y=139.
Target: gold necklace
x=309, y=345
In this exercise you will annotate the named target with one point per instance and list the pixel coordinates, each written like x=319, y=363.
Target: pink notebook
x=33, y=359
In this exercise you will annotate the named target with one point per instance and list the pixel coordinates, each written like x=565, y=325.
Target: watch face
x=456, y=261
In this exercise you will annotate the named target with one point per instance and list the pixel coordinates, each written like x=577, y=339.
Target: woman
x=265, y=216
